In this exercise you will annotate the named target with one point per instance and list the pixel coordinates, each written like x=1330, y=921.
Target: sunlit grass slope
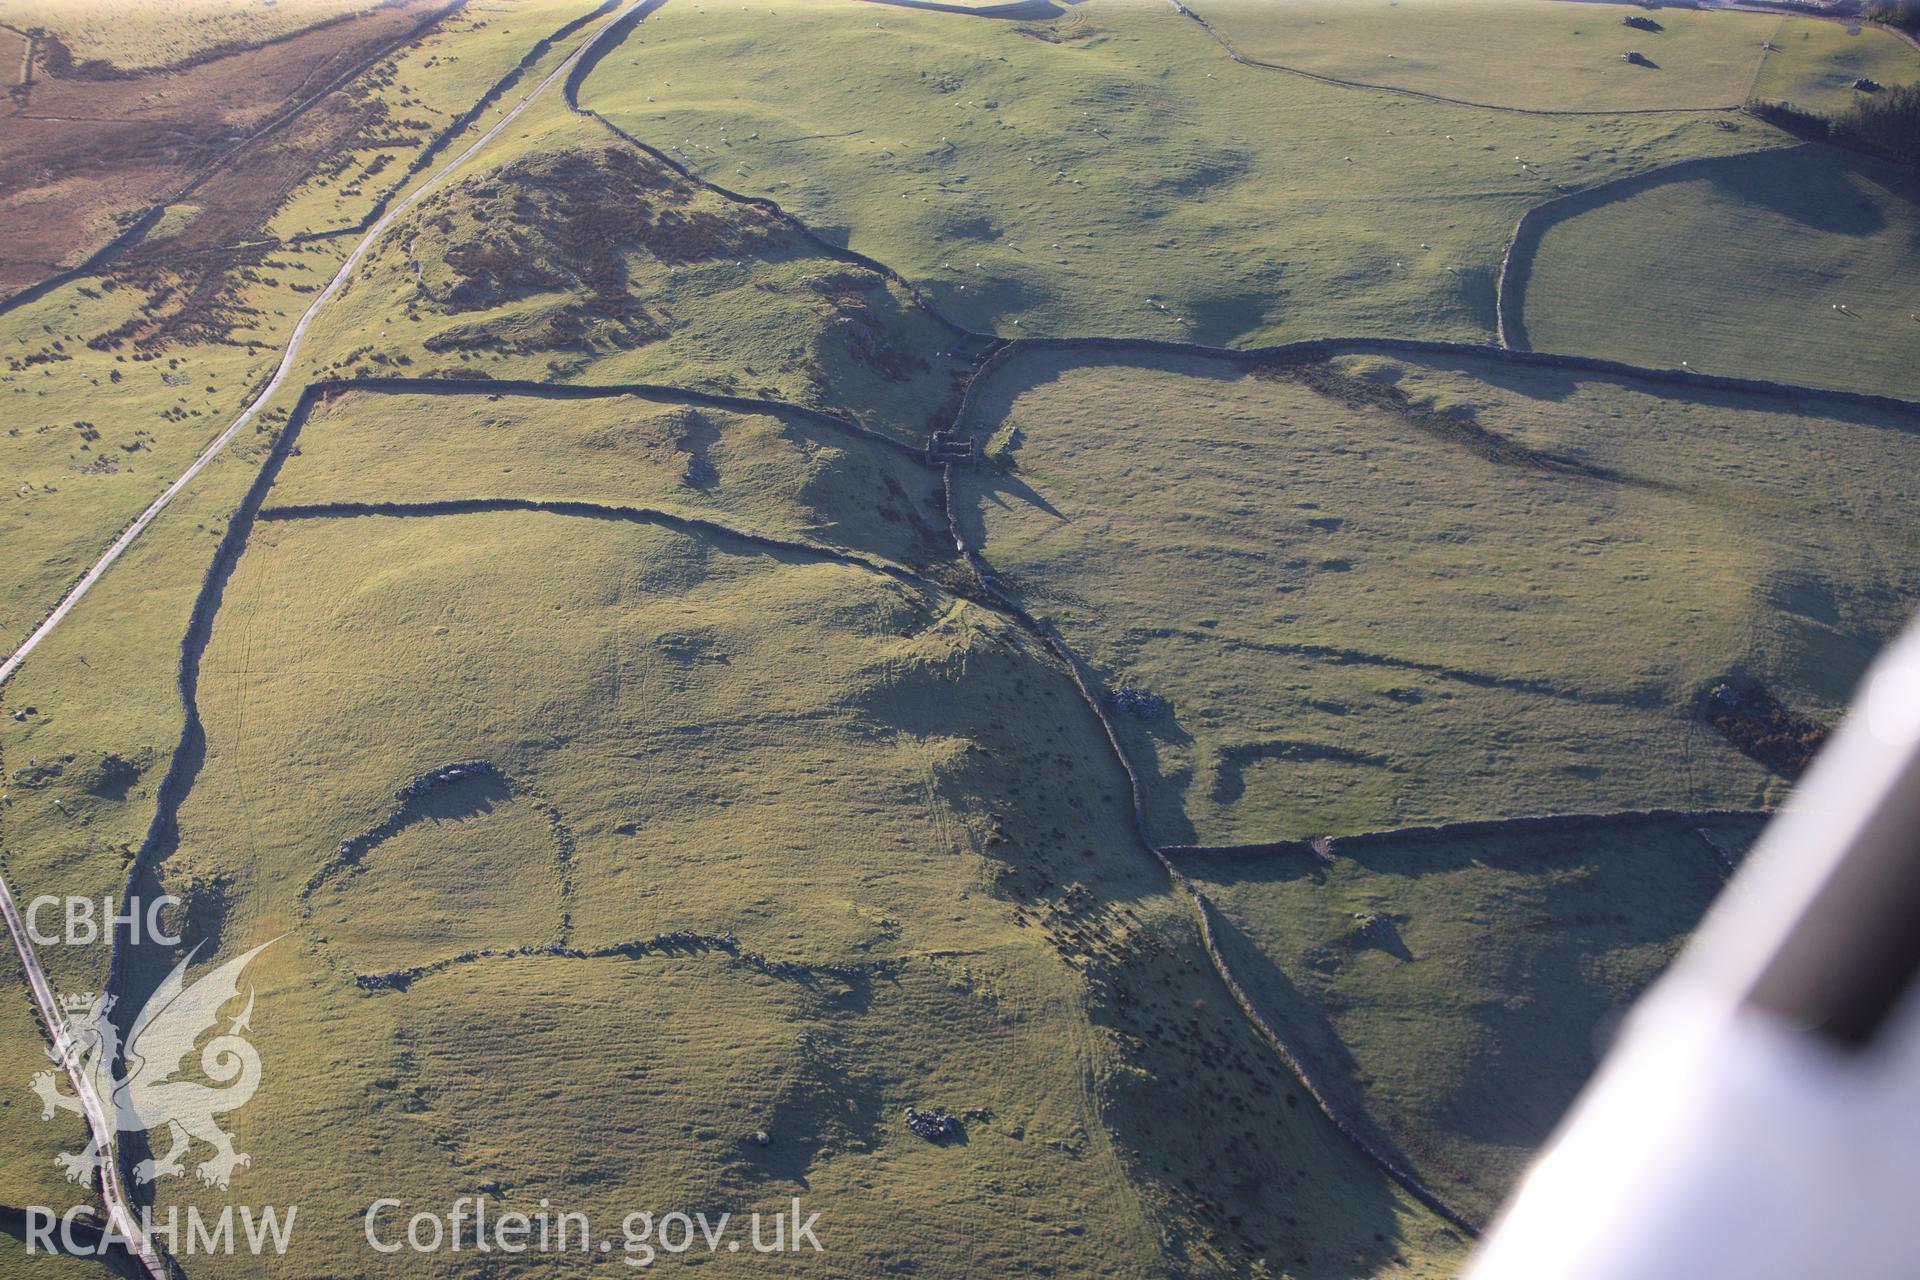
x=1796, y=265
x=692, y=733
x=135, y=34
x=81, y=771
x=1813, y=64
x=573, y=256
x=1360, y=620
x=1111, y=171
x=774, y=473
x=112, y=384
x=1536, y=54
x=426, y=86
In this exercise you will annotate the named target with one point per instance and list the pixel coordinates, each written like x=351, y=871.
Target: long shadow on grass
x=1578, y=894
x=470, y=797
x=1302, y=1022
x=139, y=963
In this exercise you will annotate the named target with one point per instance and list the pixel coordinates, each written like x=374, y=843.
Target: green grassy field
x=1456, y=993
x=1738, y=267
x=1554, y=56
x=31, y=1143
x=831, y=765
x=1360, y=622
x=94, y=433
x=774, y=473
x=93, y=436
x=102, y=687
x=17, y=1264
x=1374, y=591
x=1813, y=64
x=1112, y=171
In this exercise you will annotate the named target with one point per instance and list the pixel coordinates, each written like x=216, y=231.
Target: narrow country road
x=100, y=1126
x=292, y=353
x=119, y=1205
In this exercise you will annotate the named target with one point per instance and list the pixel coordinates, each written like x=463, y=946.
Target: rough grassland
x=94, y=433
x=1458, y=992
x=1359, y=619
x=1112, y=171
x=1736, y=267
x=1813, y=64
x=1361, y=622
x=572, y=256
x=833, y=767
x=86, y=154
x=424, y=87
x=93, y=436
x=1537, y=54
x=773, y=473
x=27, y=1176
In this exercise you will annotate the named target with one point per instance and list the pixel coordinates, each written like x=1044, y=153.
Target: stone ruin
x=936, y=1125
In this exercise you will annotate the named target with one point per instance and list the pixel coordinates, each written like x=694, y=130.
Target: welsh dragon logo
x=145, y=1096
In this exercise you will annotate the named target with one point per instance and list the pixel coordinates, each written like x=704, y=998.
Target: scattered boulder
x=446, y=773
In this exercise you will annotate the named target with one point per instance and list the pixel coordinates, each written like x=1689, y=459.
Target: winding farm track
x=459, y=125
x=995, y=354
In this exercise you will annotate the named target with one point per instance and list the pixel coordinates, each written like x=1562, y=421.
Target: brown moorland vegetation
x=86, y=154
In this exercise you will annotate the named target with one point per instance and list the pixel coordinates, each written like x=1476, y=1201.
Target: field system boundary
x=656, y=391
x=992, y=354
x=1084, y=682
x=1516, y=264
x=1550, y=823
x=1309, y=348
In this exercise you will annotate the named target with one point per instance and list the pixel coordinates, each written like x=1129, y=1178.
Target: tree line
x=1904, y=14
x=1883, y=122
